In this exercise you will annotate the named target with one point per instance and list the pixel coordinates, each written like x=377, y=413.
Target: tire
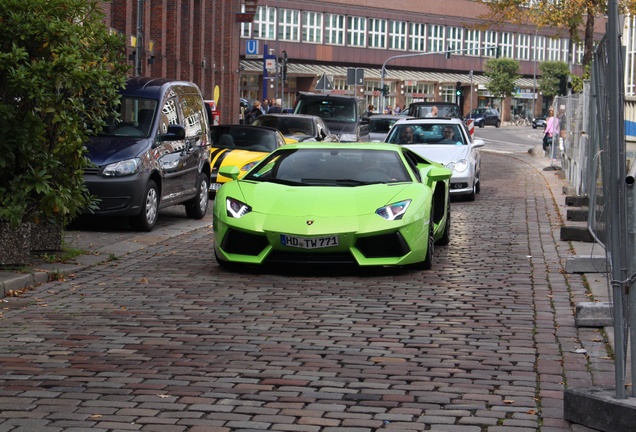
x=498, y=123
x=146, y=220
x=427, y=264
x=477, y=186
x=471, y=196
x=445, y=238
x=482, y=124
x=197, y=207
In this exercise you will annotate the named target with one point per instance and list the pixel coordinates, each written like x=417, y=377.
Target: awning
x=256, y=66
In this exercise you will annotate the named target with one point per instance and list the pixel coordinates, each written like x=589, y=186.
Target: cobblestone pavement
x=164, y=340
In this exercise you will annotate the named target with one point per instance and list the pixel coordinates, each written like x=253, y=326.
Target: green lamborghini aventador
x=370, y=204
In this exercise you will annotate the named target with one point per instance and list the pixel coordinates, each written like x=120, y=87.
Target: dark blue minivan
x=154, y=155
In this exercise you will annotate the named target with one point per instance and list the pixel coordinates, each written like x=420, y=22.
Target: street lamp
x=383, y=72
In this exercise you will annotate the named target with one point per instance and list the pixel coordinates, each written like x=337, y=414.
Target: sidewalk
x=107, y=244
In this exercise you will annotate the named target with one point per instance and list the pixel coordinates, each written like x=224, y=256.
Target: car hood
x=106, y=150
x=311, y=201
x=441, y=153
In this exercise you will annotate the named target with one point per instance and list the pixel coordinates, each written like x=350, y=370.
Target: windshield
x=381, y=124
x=331, y=110
x=288, y=125
x=331, y=167
x=252, y=138
x=136, y=116
x=429, y=133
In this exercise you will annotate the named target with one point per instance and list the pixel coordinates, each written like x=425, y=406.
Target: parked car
x=154, y=155
x=444, y=109
x=538, y=122
x=370, y=204
x=485, y=117
x=242, y=146
x=299, y=127
x=455, y=150
x=380, y=124
x=343, y=114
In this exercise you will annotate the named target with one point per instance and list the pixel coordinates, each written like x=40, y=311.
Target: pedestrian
x=265, y=106
x=369, y=112
x=551, y=127
x=397, y=109
x=253, y=113
x=276, y=108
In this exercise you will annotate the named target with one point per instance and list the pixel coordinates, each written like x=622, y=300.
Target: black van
x=156, y=154
x=344, y=115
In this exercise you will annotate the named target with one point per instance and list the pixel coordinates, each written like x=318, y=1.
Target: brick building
x=205, y=41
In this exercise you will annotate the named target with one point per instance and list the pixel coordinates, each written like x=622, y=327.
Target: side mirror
x=478, y=143
x=175, y=132
x=439, y=173
x=230, y=171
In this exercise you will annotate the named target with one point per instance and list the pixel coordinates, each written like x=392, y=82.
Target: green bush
x=60, y=72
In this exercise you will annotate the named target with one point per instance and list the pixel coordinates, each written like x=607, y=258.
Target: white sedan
x=446, y=141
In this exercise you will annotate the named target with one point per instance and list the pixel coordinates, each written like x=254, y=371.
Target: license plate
x=309, y=242
x=215, y=186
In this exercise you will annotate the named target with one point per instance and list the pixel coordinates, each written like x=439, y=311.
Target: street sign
x=251, y=49
x=324, y=83
x=355, y=76
x=270, y=65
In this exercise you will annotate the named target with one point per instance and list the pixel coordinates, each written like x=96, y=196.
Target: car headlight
x=393, y=211
x=123, y=168
x=236, y=208
x=348, y=137
x=249, y=166
x=458, y=166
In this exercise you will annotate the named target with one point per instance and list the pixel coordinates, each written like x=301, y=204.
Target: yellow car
x=242, y=146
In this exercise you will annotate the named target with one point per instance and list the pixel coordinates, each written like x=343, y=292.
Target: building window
x=539, y=48
x=565, y=44
x=265, y=23
x=289, y=25
x=447, y=92
x=506, y=45
x=397, y=35
x=579, y=51
x=472, y=42
x=417, y=37
x=523, y=47
x=418, y=92
x=312, y=27
x=490, y=43
x=377, y=33
x=334, y=29
x=356, y=31
x=246, y=28
x=454, y=39
x=435, y=38
x=554, y=47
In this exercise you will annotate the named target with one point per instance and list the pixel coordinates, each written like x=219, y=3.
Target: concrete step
x=577, y=201
x=576, y=233
x=577, y=214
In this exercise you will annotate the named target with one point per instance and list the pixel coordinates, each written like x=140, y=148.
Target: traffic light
x=385, y=90
x=458, y=88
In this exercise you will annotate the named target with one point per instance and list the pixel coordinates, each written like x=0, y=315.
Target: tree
x=60, y=71
x=502, y=75
x=552, y=72
x=571, y=16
